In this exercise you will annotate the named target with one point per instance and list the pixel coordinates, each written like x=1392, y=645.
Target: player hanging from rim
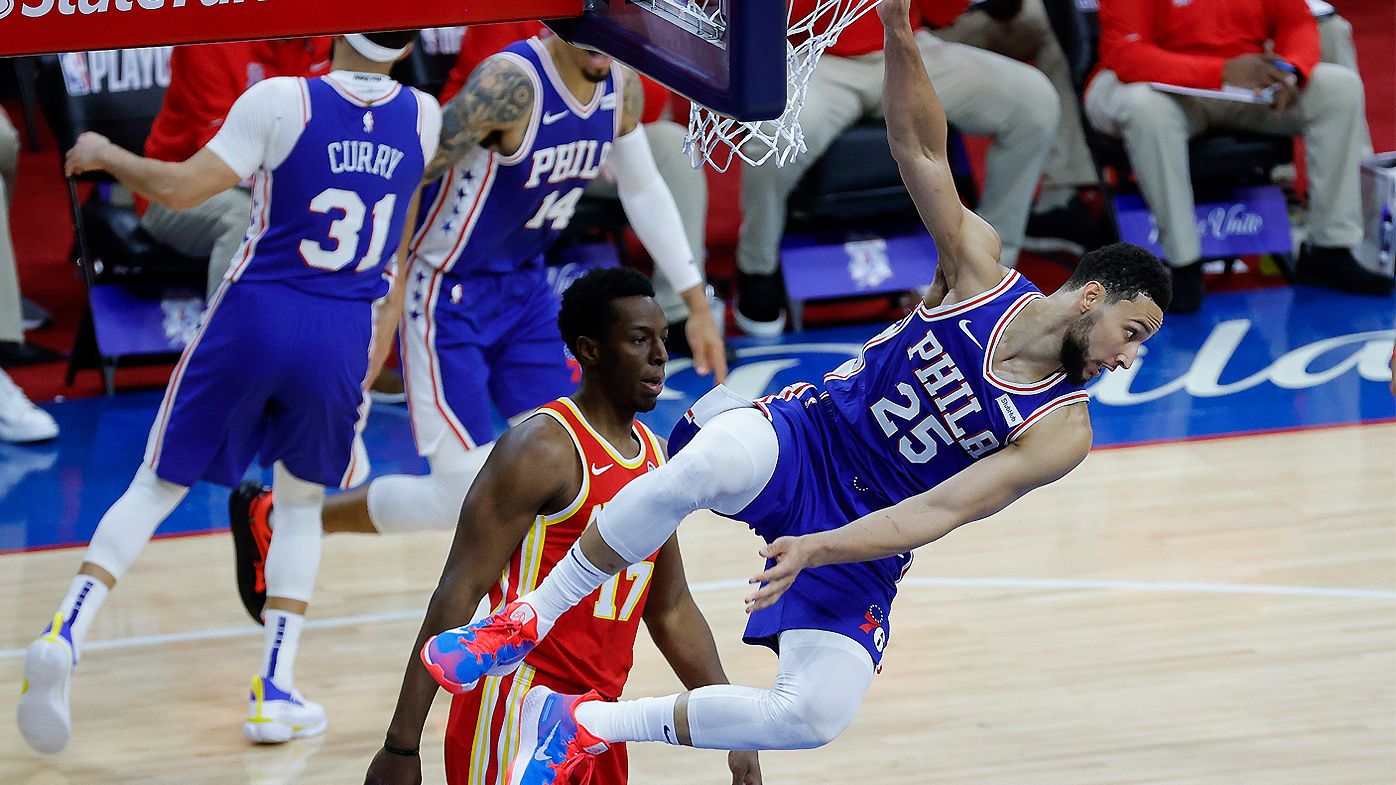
x=334, y=162
x=946, y=417
x=519, y=144
x=533, y=498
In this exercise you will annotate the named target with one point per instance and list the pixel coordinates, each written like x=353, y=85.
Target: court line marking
x=1053, y=584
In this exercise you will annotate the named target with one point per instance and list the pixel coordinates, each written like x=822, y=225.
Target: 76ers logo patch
x=873, y=623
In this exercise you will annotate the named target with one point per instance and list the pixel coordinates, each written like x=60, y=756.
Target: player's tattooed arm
x=632, y=101
x=496, y=101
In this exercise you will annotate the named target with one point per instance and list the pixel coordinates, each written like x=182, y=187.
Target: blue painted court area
x=1250, y=361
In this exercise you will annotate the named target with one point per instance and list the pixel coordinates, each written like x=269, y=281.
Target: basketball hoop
x=716, y=139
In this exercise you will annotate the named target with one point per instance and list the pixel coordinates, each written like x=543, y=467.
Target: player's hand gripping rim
x=791, y=554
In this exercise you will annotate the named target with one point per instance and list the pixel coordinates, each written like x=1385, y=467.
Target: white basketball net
x=716, y=139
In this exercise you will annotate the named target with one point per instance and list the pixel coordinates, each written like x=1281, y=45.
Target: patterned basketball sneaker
x=553, y=748
x=249, y=519
x=493, y=646
x=277, y=716
x=43, y=716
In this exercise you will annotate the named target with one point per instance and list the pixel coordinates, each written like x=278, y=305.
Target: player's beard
x=1076, y=347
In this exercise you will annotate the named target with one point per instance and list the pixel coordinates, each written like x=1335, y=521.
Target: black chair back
x=1077, y=30
x=429, y=64
x=116, y=93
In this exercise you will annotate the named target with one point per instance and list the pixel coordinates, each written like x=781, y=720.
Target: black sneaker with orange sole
x=249, y=519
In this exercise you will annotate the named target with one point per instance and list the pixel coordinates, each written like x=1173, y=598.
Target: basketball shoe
x=249, y=519
x=553, y=748
x=277, y=716
x=43, y=717
x=493, y=646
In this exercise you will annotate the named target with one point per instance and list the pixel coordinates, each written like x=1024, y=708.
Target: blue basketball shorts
x=274, y=373
x=804, y=496
x=469, y=341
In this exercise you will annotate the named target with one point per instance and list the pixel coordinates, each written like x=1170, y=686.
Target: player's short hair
x=1126, y=271
x=586, y=305
x=393, y=39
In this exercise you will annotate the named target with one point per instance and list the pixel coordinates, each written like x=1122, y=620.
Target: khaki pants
x=214, y=229
x=1335, y=40
x=11, y=312
x=984, y=94
x=690, y=189
x=1156, y=127
x=1028, y=37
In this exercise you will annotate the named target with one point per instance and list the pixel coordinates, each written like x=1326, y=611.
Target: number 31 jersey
x=495, y=213
x=337, y=161
x=590, y=646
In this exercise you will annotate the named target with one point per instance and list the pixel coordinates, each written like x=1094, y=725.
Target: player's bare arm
x=1044, y=454
x=683, y=636
x=493, y=110
x=533, y=469
x=656, y=221
x=178, y=186
x=916, y=129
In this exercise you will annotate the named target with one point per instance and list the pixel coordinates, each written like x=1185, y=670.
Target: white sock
x=80, y=606
x=645, y=719
x=573, y=579
x=283, y=637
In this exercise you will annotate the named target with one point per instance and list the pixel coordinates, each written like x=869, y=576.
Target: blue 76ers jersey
x=496, y=213
x=328, y=219
x=921, y=401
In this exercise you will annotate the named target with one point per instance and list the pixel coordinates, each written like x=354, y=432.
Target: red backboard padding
x=40, y=26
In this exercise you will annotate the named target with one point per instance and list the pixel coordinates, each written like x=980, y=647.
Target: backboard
x=728, y=55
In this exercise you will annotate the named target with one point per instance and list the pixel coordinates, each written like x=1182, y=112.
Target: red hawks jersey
x=592, y=645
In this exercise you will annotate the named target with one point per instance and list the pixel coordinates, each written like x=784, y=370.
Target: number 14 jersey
x=495, y=213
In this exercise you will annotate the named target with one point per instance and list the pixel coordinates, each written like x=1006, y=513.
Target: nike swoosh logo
x=541, y=753
x=595, y=471
x=549, y=119
x=964, y=326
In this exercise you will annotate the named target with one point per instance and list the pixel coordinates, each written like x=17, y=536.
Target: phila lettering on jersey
x=593, y=644
x=495, y=213
x=326, y=215
x=921, y=401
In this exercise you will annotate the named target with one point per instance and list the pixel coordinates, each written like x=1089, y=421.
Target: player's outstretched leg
x=43, y=716
x=249, y=520
x=493, y=646
x=723, y=468
x=553, y=748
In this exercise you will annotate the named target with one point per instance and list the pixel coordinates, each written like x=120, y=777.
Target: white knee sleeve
x=724, y=468
x=294, y=557
x=823, y=677
x=129, y=523
x=401, y=503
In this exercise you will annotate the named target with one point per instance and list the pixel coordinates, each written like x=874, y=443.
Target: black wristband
x=400, y=751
